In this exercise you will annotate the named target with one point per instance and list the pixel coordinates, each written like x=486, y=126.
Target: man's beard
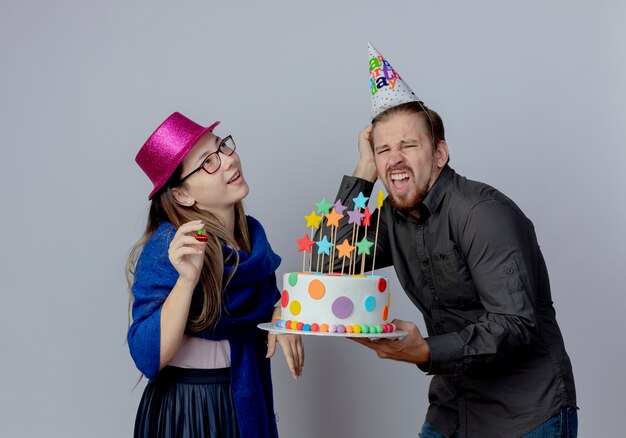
x=408, y=205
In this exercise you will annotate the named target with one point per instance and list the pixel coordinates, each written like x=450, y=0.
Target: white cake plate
x=397, y=334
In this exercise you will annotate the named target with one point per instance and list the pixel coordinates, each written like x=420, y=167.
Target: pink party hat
x=387, y=87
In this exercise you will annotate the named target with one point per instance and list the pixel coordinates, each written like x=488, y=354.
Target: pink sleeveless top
x=202, y=354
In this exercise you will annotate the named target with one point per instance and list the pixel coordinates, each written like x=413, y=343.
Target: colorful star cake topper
x=313, y=220
x=355, y=217
x=360, y=201
x=366, y=217
x=345, y=249
x=323, y=246
x=386, y=86
x=327, y=245
x=364, y=246
x=333, y=218
x=323, y=207
x=339, y=207
x=381, y=198
x=305, y=243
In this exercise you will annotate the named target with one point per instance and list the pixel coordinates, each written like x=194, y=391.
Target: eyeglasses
x=212, y=162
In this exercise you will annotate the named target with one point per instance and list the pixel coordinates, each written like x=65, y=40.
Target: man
x=469, y=260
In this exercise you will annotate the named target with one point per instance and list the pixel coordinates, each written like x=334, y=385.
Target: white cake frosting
x=335, y=303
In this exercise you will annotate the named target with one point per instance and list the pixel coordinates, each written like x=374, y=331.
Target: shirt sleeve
x=155, y=277
x=502, y=254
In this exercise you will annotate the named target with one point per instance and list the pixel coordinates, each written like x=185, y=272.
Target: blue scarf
x=249, y=300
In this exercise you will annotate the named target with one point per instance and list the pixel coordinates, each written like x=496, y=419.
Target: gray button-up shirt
x=472, y=265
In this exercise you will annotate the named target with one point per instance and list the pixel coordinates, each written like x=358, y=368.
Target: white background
x=533, y=97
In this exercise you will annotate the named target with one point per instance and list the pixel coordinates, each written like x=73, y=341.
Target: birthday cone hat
x=387, y=87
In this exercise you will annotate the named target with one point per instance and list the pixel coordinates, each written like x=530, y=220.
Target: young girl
x=204, y=279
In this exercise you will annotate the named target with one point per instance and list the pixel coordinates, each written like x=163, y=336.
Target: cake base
x=270, y=327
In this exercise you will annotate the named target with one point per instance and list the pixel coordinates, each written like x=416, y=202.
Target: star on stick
x=366, y=217
x=345, y=249
x=333, y=218
x=381, y=198
x=355, y=217
x=323, y=246
x=305, y=243
x=364, y=246
x=332, y=221
x=323, y=207
x=313, y=220
x=339, y=207
x=360, y=201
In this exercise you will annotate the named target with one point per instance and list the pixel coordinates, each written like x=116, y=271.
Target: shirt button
x=420, y=227
x=437, y=326
x=425, y=263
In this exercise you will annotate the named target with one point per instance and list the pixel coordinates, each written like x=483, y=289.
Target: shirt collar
x=433, y=197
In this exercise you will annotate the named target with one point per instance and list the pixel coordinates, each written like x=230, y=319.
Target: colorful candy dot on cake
x=294, y=325
x=293, y=279
x=350, y=329
x=306, y=327
x=287, y=324
x=283, y=323
x=385, y=328
x=364, y=328
x=315, y=327
x=369, y=303
x=378, y=329
x=284, y=298
x=324, y=328
x=316, y=289
x=299, y=325
x=385, y=313
x=340, y=329
x=295, y=308
x=342, y=307
x=382, y=285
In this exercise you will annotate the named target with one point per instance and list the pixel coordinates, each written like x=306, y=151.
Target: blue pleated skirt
x=187, y=403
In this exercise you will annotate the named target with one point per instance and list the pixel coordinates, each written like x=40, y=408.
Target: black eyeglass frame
x=219, y=150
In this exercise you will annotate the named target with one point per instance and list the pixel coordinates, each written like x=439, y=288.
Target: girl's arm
x=292, y=346
x=187, y=256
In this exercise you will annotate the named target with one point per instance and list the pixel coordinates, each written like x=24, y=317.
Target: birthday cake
x=335, y=303
x=337, y=295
